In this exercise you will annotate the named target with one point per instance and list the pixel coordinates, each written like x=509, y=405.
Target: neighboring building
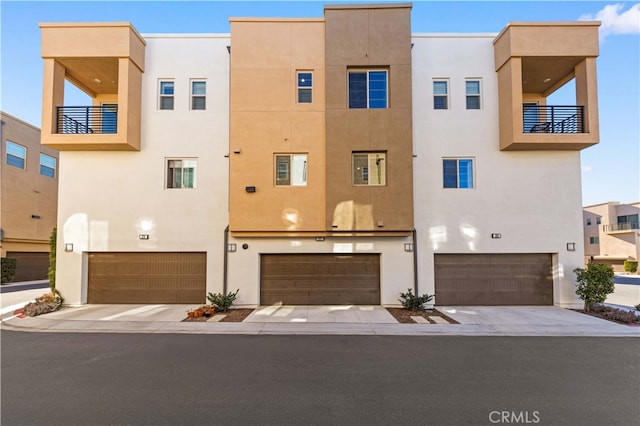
x=29, y=198
x=612, y=233
x=334, y=160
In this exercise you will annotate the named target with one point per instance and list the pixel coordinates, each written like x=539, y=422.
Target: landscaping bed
x=403, y=315
x=612, y=314
x=232, y=315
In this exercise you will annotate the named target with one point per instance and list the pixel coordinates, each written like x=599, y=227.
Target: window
x=530, y=116
x=16, y=155
x=367, y=88
x=598, y=220
x=458, y=173
x=441, y=94
x=47, y=165
x=166, y=95
x=198, y=94
x=594, y=240
x=472, y=89
x=369, y=168
x=181, y=173
x=305, y=87
x=291, y=169
x=588, y=221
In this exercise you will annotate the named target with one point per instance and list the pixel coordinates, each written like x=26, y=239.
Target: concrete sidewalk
x=355, y=320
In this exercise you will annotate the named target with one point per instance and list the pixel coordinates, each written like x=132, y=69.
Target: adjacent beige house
x=338, y=159
x=611, y=233
x=29, y=197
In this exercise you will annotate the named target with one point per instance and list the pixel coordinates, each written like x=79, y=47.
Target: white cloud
x=615, y=21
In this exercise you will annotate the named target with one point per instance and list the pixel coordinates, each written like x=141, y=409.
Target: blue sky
x=609, y=169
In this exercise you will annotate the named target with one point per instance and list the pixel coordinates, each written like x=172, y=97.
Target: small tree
x=594, y=283
x=53, y=239
x=631, y=266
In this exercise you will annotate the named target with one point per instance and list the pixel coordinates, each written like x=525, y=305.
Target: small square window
x=291, y=169
x=594, y=240
x=369, y=168
x=182, y=172
x=440, y=94
x=47, y=165
x=198, y=95
x=166, y=95
x=588, y=221
x=16, y=155
x=473, y=88
x=457, y=173
x=305, y=87
x=368, y=89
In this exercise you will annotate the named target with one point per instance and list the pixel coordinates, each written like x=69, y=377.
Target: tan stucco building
x=29, y=197
x=330, y=160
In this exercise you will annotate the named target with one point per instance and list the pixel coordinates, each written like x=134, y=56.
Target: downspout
x=415, y=261
x=225, y=260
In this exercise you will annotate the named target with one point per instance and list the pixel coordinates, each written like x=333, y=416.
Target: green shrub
x=594, y=283
x=631, y=266
x=412, y=302
x=52, y=262
x=222, y=302
x=9, y=265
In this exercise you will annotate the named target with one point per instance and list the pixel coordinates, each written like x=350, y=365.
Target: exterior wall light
x=35, y=216
x=68, y=247
x=319, y=238
x=571, y=246
x=231, y=248
x=496, y=235
x=143, y=236
x=250, y=188
x=408, y=247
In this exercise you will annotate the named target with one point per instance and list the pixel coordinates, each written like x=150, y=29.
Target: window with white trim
x=441, y=94
x=198, y=94
x=594, y=240
x=305, y=87
x=457, y=173
x=16, y=155
x=369, y=168
x=182, y=173
x=291, y=169
x=473, y=91
x=47, y=165
x=166, y=94
x=368, y=88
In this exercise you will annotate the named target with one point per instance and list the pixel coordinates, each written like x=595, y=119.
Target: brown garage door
x=147, y=277
x=493, y=279
x=30, y=266
x=320, y=279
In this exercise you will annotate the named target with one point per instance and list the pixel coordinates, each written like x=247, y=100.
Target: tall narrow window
x=305, y=87
x=440, y=94
x=472, y=88
x=198, y=94
x=16, y=155
x=291, y=169
x=47, y=165
x=368, y=89
x=369, y=168
x=457, y=173
x=166, y=95
x=182, y=173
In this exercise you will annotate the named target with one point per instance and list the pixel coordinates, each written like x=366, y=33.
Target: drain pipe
x=414, y=234
x=225, y=259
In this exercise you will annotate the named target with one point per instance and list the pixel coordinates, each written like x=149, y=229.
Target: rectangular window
x=598, y=220
x=16, y=155
x=588, y=221
x=368, y=89
x=369, y=168
x=198, y=94
x=441, y=94
x=529, y=116
x=594, y=240
x=472, y=88
x=291, y=170
x=166, y=95
x=305, y=87
x=457, y=173
x=47, y=165
x=182, y=173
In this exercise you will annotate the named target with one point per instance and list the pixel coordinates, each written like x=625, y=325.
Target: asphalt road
x=117, y=379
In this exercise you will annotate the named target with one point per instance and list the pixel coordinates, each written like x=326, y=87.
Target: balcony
x=621, y=228
x=87, y=119
x=553, y=119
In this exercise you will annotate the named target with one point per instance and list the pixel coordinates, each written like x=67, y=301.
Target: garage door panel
x=147, y=277
x=493, y=279
x=320, y=279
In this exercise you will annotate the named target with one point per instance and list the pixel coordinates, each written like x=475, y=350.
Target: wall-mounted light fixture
x=35, y=216
x=408, y=246
x=245, y=246
x=143, y=236
x=496, y=235
x=250, y=188
x=319, y=238
x=334, y=225
x=231, y=248
x=571, y=246
x=380, y=224
x=236, y=150
x=68, y=247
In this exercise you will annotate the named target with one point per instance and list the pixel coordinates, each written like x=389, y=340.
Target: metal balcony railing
x=553, y=119
x=87, y=119
x=621, y=227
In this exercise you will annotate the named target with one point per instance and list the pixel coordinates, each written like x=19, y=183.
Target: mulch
x=404, y=316
x=232, y=315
